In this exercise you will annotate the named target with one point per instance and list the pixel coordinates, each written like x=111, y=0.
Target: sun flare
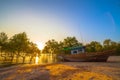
x=36, y=60
x=40, y=45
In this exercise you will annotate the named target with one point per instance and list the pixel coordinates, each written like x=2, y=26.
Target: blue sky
x=87, y=20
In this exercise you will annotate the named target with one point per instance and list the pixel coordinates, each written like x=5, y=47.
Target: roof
x=72, y=48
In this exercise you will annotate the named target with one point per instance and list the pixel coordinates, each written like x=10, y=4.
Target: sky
x=42, y=20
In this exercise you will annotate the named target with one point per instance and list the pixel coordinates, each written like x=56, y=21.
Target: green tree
x=20, y=44
x=3, y=45
x=11, y=51
x=32, y=51
x=107, y=44
x=71, y=42
x=52, y=46
x=113, y=44
x=3, y=41
x=118, y=48
x=94, y=46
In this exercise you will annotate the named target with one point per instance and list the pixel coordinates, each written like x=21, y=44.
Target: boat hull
x=98, y=58
x=89, y=57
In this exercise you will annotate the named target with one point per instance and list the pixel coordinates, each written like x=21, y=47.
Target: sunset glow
x=40, y=45
x=59, y=39
x=43, y=20
x=36, y=59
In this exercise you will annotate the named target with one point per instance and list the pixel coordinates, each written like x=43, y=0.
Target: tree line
x=17, y=46
x=20, y=46
x=107, y=44
x=53, y=46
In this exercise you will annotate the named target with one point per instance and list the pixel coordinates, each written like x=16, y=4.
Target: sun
x=40, y=45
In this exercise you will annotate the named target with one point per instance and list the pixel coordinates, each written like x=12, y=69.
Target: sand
x=63, y=71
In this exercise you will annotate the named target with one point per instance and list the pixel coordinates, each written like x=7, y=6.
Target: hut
x=75, y=50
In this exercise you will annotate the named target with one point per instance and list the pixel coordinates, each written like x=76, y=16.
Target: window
x=75, y=52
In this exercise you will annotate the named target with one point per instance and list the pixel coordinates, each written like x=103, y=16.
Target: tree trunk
x=31, y=59
x=17, y=57
x=5, y=58
x=12, y=57
x=23, y=60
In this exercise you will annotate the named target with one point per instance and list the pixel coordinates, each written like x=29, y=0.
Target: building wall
x=77, y=51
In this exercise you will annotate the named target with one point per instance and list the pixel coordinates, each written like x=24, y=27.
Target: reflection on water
x=36, y=59
x=47, y=58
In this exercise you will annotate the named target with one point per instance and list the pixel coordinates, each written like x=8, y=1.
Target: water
x=42, y=59
x=47, y=58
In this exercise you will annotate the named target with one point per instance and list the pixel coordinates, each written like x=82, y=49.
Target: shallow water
x=47, y=58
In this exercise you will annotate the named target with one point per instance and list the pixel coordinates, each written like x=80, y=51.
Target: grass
x=64, y=72
x=5, y=65
x=58, y=72
x=2, y=65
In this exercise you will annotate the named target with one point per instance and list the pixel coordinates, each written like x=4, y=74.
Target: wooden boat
x=88, y=57
x=96, y=58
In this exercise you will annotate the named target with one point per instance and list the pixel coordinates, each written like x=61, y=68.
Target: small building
x=75, y=50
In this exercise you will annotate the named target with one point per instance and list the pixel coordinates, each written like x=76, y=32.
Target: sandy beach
x=63, y=71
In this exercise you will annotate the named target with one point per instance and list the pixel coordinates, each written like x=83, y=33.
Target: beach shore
x=63, y=71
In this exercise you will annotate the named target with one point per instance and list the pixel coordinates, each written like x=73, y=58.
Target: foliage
x=71, y=42
x=32, y=51
x=108, y=44
x=3, y=41
x=94, y=46
x=52, y=46
x=118, y=49
x=17, y=46
x=19, y=42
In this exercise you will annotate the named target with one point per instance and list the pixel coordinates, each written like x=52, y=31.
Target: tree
x=3, y=45
x=32, y=51
x=68, y=43
x=94, y=46
x=52, y=46
x=19, y=44
x=118, y=48
x=107, y=44
x=89, y=48
x=11, y=51
x=3, y=41
x=71, y=42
